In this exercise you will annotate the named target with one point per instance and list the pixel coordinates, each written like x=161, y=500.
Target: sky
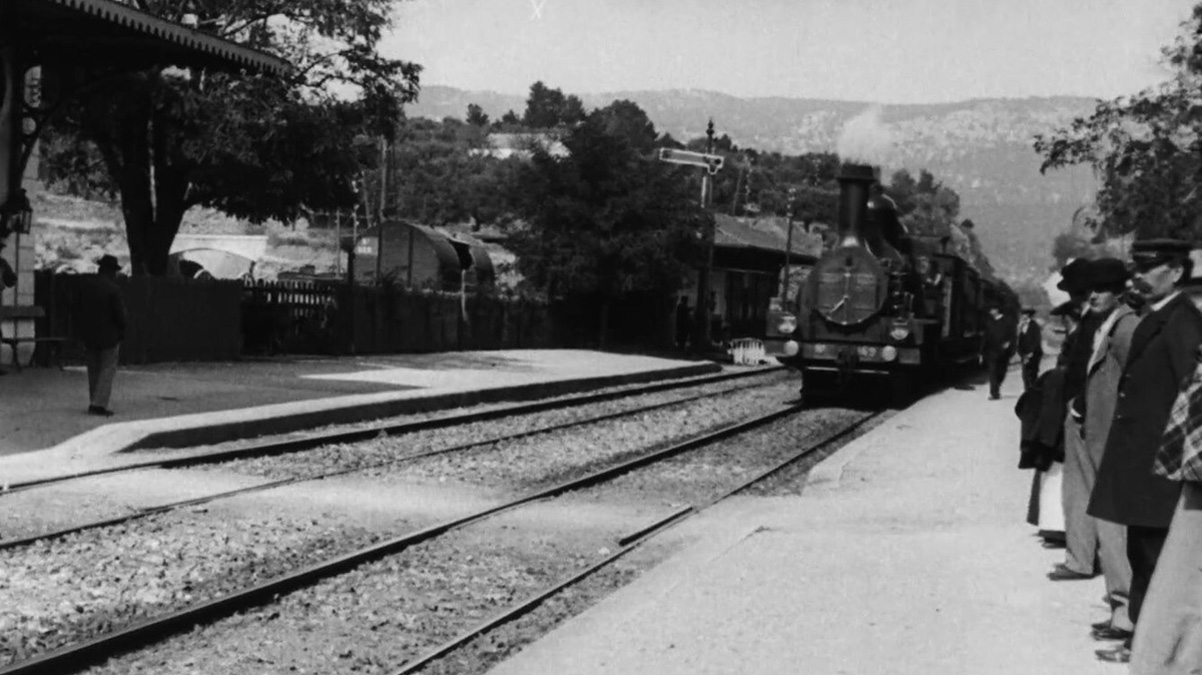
x=885, y=51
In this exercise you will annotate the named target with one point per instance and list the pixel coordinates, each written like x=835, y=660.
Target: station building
x=748, y=269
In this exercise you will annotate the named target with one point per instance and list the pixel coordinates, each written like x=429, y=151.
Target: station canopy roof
x=105, y=32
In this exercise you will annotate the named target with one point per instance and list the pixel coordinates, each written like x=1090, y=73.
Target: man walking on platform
x=102, y=328
x=1160, y=357
x=1030, y=346
x=1088, y=539
x=999, y=345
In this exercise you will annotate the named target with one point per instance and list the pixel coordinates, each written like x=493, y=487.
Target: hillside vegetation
x=980, y=148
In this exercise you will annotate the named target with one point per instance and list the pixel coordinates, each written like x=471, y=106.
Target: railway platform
x=907, y=552
x=45, y=431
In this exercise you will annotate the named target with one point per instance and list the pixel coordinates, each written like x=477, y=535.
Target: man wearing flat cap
x=1091, y=412
x=102, y=328
x=1159, y=358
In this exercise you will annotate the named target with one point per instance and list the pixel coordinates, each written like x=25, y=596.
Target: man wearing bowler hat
x=1087, y=538
x=102, y=328
x=1159, y=358
x=1030, y=346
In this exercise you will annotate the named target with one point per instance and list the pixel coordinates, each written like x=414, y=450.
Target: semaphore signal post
x=712, y=164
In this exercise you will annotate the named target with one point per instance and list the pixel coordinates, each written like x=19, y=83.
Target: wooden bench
x=55, y=344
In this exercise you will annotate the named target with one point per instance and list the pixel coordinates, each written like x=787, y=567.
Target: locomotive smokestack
x=854, y=181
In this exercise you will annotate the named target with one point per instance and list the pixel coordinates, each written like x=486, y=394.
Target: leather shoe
x=98, y=410
x=1101, y=624
x=1062, y=573
x=1119, y=654
x=1110, y=633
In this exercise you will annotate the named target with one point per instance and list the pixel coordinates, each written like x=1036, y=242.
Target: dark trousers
x=997, y=364
x=1030, y=371
x=1143, y=550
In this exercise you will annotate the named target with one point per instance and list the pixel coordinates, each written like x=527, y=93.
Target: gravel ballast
x=90, y=583
x=343, y=456
x=382, y=614
x=97, y=581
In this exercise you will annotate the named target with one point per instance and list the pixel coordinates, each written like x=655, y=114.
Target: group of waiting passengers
x=1117, y=426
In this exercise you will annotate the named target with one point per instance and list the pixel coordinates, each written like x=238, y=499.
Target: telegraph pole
x=703, y=275
x=788, y=277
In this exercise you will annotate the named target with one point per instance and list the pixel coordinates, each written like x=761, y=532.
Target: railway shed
x=417, y=256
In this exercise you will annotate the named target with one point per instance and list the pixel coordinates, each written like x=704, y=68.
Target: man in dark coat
x=999, y=345
x=8, y=279
x=102, y=328
x=684, y=322
x=1030, y=346
x=1160, y=357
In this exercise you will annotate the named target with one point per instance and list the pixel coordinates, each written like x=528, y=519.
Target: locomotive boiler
x=881, y=304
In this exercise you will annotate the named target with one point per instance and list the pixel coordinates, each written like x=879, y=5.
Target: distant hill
x=981, y=148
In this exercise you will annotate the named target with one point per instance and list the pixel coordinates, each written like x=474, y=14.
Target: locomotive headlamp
x=787, y=325
x=899, y=331
x=791, y=348
x=888, y=353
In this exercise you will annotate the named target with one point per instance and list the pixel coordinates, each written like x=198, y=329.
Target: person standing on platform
x=8, y=279
x=1169, y=640
x=684, y=323
x=102, y=329
x=1030, y=346
x=999, y=345
x=1089, y=539
x=1160, y=357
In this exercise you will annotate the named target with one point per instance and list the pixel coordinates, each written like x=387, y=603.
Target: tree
x=476, y=115
x=625, y=119
x=606, y=220
x=925, y=206
x=1146, y=148
x=256, y=147
x=441, y=174
x=548, y=108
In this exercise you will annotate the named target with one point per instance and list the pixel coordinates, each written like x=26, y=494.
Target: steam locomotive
x=883, y=304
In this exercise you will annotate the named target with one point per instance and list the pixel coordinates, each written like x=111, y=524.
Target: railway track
x=397, y=461
x=69, y=658
x=371, y=431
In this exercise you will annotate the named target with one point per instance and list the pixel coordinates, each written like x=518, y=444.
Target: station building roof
x=111, y=33
x=763, y=234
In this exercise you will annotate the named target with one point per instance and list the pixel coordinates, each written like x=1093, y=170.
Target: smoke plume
x=865, y=139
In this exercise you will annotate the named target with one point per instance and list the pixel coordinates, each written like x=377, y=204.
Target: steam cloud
x=865, y=139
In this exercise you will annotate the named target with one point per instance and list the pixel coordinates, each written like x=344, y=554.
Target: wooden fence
x=334, y=318
x=168, y=319
x=189, y=320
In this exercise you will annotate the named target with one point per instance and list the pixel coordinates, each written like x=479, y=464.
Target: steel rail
x=627, y=543
x=279, y=447
x=271, y=485
x=71, y=658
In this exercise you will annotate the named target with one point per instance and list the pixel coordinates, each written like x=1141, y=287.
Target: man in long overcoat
x=1159, y=359
x=1089, y=539
x=102, y=328
x=1030, y=346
